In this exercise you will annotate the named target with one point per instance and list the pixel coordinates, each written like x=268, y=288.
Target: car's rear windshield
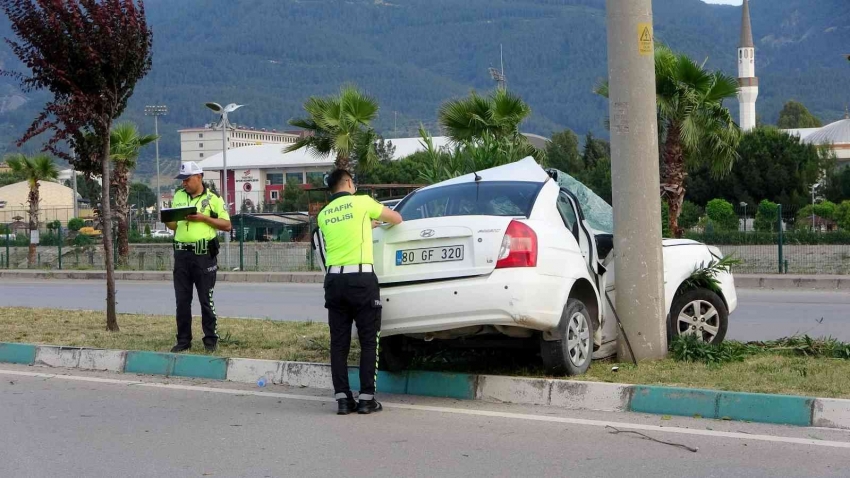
x=491, y=198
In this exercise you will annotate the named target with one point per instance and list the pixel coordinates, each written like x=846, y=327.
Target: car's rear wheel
x=699, y=312
x=572, y=353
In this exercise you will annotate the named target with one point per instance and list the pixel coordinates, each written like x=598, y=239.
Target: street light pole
x=223, y=111
x=635, y=179
x=156, y=112
x=74, y=183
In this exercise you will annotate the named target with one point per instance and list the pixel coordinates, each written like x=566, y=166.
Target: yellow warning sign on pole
x=645, y=38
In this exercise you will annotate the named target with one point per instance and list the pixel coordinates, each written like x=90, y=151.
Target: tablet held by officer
x=196, y=247
x=352, y=293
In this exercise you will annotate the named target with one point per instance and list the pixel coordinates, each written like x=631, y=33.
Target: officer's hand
x=375, y=223
x=196, y=218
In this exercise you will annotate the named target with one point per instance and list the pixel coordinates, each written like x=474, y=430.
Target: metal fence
x=261, y=242
x=782, y=240
x=777, y=241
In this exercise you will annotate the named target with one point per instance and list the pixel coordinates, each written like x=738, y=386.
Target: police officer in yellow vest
x=351, y=287
x=195, y=250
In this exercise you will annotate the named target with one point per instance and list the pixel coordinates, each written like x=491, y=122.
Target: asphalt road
x=274, y=301
x=761, y=314
x=165, y=427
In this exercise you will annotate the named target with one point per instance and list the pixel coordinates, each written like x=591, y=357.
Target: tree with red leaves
x=89, y=54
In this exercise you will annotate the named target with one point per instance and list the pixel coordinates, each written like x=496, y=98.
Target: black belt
x=184, y=246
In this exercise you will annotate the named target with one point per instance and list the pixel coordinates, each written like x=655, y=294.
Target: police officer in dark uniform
x=352, y=293
x=195, y=249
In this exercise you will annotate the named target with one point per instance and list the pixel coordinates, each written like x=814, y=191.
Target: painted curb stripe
x=150, y=363
x=17, y=353
x=195, y=366
x=779, y=409
x=756, y=407
x=201, y=366
x=446, y=385
x=764, y=408
x=674, y=401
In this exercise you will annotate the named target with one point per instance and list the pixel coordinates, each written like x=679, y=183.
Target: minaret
x=747, y=81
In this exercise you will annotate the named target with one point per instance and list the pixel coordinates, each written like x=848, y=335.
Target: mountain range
x=412, y=55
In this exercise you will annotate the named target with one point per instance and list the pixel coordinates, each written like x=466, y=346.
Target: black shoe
x=346, y=406
x=366, y=407
x=210, y=348
x=180, y=347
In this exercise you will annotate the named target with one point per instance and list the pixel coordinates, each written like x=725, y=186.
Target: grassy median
x=248, y=338
x=795, y=367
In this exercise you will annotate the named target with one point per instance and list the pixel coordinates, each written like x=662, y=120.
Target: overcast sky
x=725, y=2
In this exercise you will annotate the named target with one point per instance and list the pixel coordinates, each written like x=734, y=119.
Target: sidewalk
x=570, y=394
x=742, y=281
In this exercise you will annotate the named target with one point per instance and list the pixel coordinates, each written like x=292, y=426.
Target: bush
x=842, y=215
x=83, y=240
x=690, y=215
x=147, y=230
x=689, y=348
x=766, y=216
x=722, y=214
x=76, y=224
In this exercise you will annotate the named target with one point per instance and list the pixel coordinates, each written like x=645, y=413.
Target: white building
x=198, y=144
x=258, y=174
x=748, y=83
x=835, y=135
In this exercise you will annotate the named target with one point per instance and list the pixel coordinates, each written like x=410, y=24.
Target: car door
x=574, y=220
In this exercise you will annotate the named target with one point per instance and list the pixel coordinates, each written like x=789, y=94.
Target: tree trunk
x=33, y=223
x=106, y=210
x=122, y=192
x=343, y=162
x=673, y=178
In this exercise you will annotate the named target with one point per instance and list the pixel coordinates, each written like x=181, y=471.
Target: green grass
x=248, y=338
x=794, y=366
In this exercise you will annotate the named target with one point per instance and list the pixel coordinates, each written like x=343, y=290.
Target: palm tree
x=34, y=169
x=694, y=127
x=340, y=124
x=125, y=144
x=469, y=121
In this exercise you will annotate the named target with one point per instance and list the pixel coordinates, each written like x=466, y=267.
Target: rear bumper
x=510, y=297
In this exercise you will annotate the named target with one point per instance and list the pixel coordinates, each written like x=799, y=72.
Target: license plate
x=428, y=255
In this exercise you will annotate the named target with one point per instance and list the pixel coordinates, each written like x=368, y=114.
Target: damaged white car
x=517, y=255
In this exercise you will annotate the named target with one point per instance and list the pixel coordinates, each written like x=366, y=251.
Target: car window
x=598, y=213
x=492, y=198
x=568, y=213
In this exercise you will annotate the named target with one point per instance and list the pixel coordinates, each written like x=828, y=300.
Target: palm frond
x=359, y=107
x=705, y=275
x=723, y=87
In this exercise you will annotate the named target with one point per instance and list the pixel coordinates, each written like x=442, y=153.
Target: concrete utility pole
x=635, y=179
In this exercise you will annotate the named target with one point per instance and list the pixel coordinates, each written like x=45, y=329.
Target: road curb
x=571, y=394
x=786, y=281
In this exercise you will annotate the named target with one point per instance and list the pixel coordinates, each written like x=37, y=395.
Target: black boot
x=180, y=348
x=366, y=407
x=346, y=406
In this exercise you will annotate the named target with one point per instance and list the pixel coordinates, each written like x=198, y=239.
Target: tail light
x=519, y=247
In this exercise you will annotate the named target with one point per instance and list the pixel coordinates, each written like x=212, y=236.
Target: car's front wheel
x=699, y=312
x=572, y=353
